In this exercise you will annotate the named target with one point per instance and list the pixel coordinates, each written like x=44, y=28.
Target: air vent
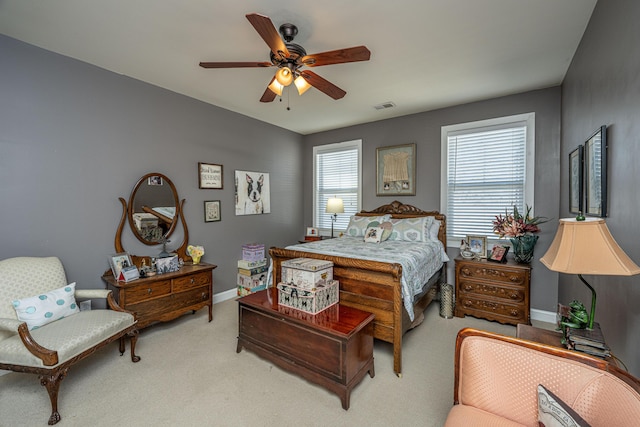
x=384, y=105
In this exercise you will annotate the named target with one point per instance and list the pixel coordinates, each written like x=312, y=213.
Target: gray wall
x=424, y=129
x=74, y=138
x=602, y=87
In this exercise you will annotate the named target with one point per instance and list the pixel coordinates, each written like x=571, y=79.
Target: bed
x=377, y=286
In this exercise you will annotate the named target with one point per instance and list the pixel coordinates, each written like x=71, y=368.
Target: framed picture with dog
x=252, y=193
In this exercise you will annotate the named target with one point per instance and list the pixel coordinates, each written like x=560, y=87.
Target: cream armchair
x=49, y=350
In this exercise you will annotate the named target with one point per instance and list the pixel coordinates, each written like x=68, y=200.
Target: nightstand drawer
x=493, y=273
x=494, y=310
x=483, y=289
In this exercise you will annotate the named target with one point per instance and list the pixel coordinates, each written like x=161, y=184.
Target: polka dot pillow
x=41, y=309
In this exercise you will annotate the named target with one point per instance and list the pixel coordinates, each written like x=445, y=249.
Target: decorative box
x=306, y=273
x=309, y=300
x=252, y=281
x=253, y=252
x=251, y=264
x=145, y=220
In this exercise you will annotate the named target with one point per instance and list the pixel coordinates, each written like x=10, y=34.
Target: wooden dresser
x=493, y=291
x=167, y=296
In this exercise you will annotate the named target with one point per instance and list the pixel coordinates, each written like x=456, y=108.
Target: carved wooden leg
x=134, y=339
x=122, y=346
x=52, y=384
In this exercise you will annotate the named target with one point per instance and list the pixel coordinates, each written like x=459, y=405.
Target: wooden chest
x=493, y=291
x=165, y=296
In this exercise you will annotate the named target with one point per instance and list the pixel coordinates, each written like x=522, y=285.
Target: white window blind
x=336, y=174
x=487, y=171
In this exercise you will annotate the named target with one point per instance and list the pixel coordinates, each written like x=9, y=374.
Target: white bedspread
x=419, y=261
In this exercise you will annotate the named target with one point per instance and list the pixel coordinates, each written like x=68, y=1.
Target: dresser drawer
x=511, y=294
x=147, y=291
x=486, y=272
x=493, y=310
x=191, y=281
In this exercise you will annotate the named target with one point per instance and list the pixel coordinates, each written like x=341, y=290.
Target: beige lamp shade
x=334, y=206
x=587, y=247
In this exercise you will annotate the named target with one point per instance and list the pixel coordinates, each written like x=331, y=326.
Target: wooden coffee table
x=333, y=348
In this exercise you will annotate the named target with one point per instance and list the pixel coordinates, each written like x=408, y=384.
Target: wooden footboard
x=374, y=287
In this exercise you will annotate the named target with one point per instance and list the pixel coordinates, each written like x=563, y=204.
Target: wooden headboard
x=399, y=210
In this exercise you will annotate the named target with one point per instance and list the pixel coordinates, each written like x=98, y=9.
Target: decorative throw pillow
x=434, y=229
x=41, y=309
x=373, y=235
x=553, y=412
x=358, y=224
x=387, y=229
x=411, y=229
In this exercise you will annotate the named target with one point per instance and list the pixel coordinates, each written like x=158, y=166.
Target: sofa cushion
x=553, y=412
x=47, y=307
x=69, y=336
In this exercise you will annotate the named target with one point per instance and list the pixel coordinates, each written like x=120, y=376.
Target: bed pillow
x=373, y=234
x=359, y=224
x=41, y=309
x=387, y=229
x=411, y=229
x=434, y=229
x=553, y=412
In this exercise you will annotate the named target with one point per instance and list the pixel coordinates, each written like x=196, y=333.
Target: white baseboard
x=224, y=296
x=543, y=316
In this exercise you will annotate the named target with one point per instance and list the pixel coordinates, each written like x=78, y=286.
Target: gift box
x=311, y=301
x=253, y=252
x=306, y=273
x=251, y=282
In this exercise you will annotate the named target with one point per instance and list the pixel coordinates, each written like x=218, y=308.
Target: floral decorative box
x=253, y=252
x=306, y=273
x=309, y=300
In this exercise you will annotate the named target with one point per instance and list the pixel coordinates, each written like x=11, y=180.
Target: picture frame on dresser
x=478, y=245
x=499, y=253
x=118, y=261
x=576, y=184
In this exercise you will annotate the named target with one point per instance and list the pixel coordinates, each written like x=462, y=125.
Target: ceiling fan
x=290, y=58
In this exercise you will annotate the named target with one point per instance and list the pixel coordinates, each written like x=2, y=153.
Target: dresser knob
x=149, y=291
x=513, y=295
x=192, y=281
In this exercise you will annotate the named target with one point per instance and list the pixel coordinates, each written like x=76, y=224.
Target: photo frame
x=212, y=211
x=155, y=180
x=210, y=176
x=119, y=261
x=312, y=231
x=396, y=170
x=576, y=183
x=499, y=253
x=168, y=264
x=595, y=173
x=478, y=245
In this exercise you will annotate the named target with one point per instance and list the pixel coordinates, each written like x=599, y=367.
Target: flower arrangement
x=195, y=252
x=517, y=225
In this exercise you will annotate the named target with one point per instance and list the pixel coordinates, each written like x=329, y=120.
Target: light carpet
x=191, y=375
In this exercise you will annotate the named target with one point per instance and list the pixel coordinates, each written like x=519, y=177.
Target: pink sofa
x=496, y=380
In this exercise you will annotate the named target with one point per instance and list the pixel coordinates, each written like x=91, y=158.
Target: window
x=487, y=168
x=336, y=173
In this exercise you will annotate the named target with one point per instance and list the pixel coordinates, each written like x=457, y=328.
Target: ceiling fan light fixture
x=276, y=87
x=284, y=76
x=301, y=85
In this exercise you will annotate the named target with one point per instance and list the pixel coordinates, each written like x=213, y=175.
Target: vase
x=196, y=259
x=523, y=248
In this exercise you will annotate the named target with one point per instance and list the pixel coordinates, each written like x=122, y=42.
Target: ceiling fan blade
x=323, y=85
x=268, y=95
x=269, y=34
x=235, y=64
x=340, y=56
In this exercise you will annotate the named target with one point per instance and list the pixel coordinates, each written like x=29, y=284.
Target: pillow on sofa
x=41, y=309
x=553, y=412
x=359, y=224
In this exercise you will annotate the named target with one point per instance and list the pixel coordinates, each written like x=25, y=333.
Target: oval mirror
x=153, y=208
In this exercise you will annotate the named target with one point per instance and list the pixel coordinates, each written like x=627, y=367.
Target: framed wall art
x=210, y=176
x=576, y=185
x=396, y=170
x=212, y=211
x=253, y=196
x=595, y=173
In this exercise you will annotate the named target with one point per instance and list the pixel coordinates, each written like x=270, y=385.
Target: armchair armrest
x=92, y=293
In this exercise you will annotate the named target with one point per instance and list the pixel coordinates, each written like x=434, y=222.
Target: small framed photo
x=212, y=211
x=499, y=254
x=210, y=176
x=312, y=231
x=118, y=262
x=167, y=264
x=155, y=180
x=478, y=245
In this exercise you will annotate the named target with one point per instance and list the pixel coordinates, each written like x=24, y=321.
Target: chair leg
x=134, y=339
x=52, y=384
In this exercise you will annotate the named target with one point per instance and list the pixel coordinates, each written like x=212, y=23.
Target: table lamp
x=334, y=206
x=587, y=247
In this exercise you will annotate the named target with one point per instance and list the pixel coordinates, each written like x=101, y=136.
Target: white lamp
x=587, y=247
x=334, y=206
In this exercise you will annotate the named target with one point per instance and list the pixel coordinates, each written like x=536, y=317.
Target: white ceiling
x=425, y=54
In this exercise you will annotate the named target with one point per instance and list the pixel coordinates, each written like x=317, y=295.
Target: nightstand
x=493, y=291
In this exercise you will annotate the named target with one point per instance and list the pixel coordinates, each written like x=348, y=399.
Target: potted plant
x=521, y=230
